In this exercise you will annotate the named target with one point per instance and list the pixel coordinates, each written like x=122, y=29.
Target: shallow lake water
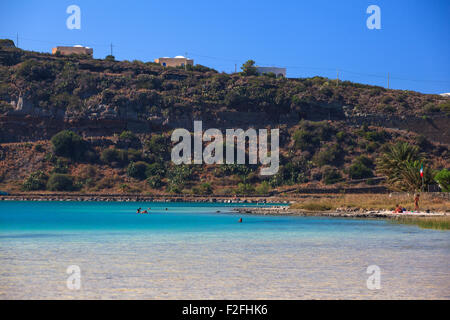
x=190, y=251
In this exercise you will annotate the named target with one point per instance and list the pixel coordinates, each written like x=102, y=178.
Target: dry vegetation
x=373, y=202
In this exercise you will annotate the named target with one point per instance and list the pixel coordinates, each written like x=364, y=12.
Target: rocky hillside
x=120, y=114
x=41, y=94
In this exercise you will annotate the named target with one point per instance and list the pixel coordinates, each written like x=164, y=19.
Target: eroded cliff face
x=25, y=122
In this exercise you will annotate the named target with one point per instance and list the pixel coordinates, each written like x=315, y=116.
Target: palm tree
x=410, y=176
x=392, y=163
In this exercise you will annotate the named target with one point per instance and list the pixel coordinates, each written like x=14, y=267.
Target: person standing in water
x=240, y=220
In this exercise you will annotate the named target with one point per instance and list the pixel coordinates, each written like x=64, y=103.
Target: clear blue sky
x=308, y=37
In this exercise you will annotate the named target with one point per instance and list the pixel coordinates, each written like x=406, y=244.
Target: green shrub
x=359, y=171
x=245, y=188
x=111, y=155
x=431, y=107
x=178, y=175
x=204, y=188
x=35, y=181
x=263, y=188
x=305, y=140
x=61, y=166
x=331, y=176
x=249, y=69
x=137, y=170
x=35, y=70
x=445, y=107
x=443, y=179
x=340, y=136
x=134, y=155
x=365, y=161
x=157, y=147
x=155, y=169
x=330, y=155
x=60, y=182
x=375, y=136
x=68, y=144
x=127, y=135
x=154, y=181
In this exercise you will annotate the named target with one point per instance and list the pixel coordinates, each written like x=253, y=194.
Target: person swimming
x=145, y=211
x=138, y=210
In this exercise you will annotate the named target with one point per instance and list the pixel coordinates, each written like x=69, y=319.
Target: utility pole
x=388, y=80
x=17, y=40
x=337, y=79
x=111, y=48
x=235, y=67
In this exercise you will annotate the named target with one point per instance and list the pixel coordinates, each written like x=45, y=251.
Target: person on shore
x=416, y=202
x=398, y=209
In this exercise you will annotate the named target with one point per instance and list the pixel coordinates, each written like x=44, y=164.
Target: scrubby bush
x=113, y=155
x=157, y=147
x=155, y=169
x=443, y=179
x=330, y=155
x=203, y=189
x=245, y=188
x=33, y=70
x=359, y=171
x=109, y=155
x=35, y=181
x=431, y=107
x=61, y=166
x=305, y=140
x=331, y=176
x=137, y=170
x=154, y=181
x=134, y=155
x=60, y=182
x=263, y=188
x=375, y=136
x=249, y=69
x=68, y=144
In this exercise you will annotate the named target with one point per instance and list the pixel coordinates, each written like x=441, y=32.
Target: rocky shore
x=140, y=198
x=340, y=212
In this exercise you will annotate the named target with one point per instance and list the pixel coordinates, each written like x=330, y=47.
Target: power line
x=236, y=61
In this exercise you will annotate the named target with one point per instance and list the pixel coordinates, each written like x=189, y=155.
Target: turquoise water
x=192, y=252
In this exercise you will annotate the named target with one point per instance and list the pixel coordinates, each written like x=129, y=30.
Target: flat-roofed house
x=275, y=70
x=73, y=50
x=178, y=61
